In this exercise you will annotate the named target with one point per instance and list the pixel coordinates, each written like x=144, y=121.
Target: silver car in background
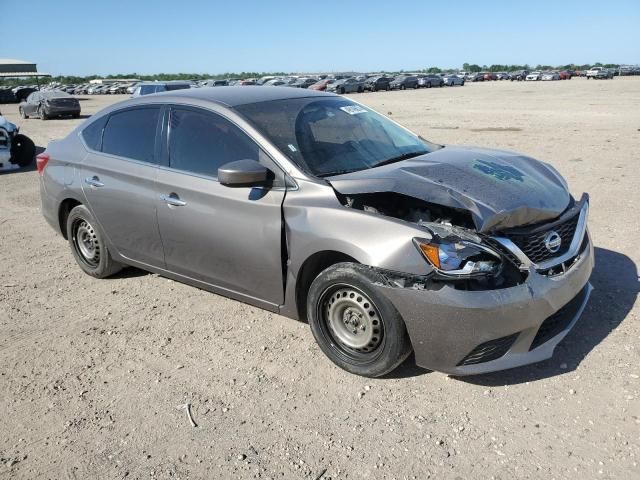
x=318, y=208
x=346, y=85
x=453, y=80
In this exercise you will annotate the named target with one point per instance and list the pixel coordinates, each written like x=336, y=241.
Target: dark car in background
x=304, y=82
x=49, y=104
x=519, y=75
x=403, y=82
x=318, y=208
x=374, y=84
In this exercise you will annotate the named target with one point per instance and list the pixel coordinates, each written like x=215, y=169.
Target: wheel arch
x=309, y=270
x=64, y=209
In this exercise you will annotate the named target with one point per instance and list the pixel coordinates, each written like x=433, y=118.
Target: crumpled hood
x=500, y=189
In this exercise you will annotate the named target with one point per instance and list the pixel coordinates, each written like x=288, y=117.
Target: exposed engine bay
x=445, y=224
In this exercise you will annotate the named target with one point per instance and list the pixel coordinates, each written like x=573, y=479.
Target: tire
x=388, y=88
x=22, y=114
x=402, y=87
x=360, y=90
x=23, y=151
x=342, y=91
x=354, y=324
x=428, y=84
x=87, y=244
x=462, y=84
x=416, y=86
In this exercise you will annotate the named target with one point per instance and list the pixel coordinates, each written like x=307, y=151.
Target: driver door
x=227, y=237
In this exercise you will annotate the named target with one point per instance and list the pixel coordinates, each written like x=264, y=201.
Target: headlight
x=458, y=257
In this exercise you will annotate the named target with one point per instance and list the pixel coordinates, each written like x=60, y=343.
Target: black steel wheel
x=353, y=323
x=88, y=245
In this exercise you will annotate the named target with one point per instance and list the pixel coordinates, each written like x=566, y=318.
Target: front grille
x=532, y=245
x=491, y=350
x=559, y=321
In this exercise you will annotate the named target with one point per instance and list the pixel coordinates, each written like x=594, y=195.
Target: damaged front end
x=457, y=253
x=493, y=300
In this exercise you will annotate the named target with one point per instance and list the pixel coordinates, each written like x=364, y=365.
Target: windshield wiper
x=338, y=172
x=399, y=158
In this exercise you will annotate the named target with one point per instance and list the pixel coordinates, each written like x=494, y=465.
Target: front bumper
x=447, y=327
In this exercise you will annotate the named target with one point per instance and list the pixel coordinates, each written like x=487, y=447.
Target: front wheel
x=354, y=324
x=88, y=245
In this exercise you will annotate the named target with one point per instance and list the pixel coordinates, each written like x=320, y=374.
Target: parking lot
x=92, y=370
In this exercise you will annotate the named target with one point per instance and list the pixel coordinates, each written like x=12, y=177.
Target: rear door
x=230, y=238
x=118, y=181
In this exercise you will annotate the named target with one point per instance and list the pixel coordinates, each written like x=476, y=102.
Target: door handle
x=93, y=181
x=173, y=200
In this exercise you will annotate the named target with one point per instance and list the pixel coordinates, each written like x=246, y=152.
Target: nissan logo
x=552, y=241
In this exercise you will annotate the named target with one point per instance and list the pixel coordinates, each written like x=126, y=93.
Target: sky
x=67, y=37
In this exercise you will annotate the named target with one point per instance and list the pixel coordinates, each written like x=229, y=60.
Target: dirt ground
x=91, y=371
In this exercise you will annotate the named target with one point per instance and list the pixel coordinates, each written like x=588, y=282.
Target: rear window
x=132, y=134
x=92, y=133
x=148, y=89
x=170, y=87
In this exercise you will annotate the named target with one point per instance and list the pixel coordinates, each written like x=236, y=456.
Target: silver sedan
x=452, y=80
x=314, y=206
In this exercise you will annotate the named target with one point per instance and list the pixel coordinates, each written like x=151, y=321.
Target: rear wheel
x=88, y=245
x=355, y=325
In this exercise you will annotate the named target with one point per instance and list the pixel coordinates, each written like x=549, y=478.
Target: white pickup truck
x=599, y=72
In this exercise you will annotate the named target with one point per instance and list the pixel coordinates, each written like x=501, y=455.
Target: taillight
x=41, y=162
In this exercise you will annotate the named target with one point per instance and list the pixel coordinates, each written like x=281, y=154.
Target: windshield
x=332, y=135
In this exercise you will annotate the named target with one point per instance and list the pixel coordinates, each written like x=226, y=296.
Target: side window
x=200, y=142
x=132, y=133
x=92, y=133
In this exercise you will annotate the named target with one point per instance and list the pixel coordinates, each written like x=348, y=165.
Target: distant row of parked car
x=341, y=84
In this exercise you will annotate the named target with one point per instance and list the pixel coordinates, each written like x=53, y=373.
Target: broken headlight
x=457, y=257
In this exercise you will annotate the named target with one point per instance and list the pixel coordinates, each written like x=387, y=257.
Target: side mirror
x=243, y=173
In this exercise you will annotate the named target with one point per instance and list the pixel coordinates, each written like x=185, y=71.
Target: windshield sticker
x=292, y=148
x=353, y=109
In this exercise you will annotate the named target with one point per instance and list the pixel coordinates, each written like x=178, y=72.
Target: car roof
x=235, y=96
x=54, y=93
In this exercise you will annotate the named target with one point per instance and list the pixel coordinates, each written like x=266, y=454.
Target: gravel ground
x=91, y=371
